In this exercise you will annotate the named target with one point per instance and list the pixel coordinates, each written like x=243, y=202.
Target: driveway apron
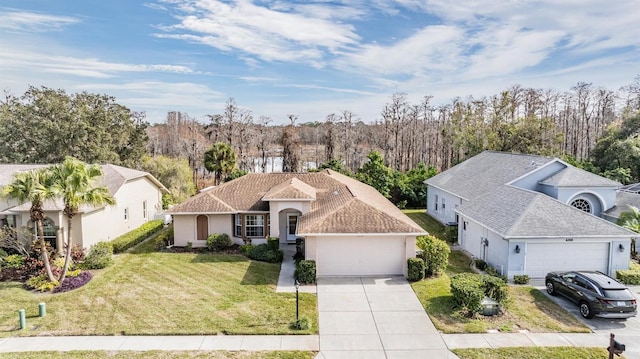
x=374, y=318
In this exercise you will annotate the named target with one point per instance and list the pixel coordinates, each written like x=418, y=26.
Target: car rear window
x=618, y=294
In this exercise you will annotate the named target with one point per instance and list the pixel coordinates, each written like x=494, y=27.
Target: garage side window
x=435, y=207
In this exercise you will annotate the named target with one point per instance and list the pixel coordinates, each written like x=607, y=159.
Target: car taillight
x=633, y=302
x=604, y=301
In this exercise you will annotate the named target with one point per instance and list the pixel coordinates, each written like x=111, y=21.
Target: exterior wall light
x=620, y=247
x=517, y=249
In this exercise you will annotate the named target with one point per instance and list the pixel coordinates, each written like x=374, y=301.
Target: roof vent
x=335, y=193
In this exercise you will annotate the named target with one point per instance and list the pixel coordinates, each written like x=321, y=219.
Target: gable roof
x=341, y=205
x=488, y=170
x=514, y=212
x=290, y=189
x=576, y=177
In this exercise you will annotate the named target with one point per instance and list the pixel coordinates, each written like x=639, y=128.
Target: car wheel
x=585, y=310
x=551, y=289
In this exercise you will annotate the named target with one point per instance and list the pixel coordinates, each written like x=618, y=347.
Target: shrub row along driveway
x=374, y=318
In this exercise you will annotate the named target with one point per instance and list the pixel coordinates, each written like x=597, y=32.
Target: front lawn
x=529, y=308
x=533, y=353
x=153, y=293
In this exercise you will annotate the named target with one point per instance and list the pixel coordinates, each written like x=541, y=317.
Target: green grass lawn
x=153, y=293
x=427, y=222
x=162, y=355
x=528, y=309
x=533, y=353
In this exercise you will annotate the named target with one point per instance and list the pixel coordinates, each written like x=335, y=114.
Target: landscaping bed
x=533, y=353
x=151, y=293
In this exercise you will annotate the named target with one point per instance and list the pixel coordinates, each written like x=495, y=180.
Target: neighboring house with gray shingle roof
x=348, y=227
x=527, y=214
x=138, y=199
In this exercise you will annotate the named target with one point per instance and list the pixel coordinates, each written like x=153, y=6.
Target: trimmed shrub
x=13, y=261
x=77, y=253
x=219, y=242
x=521, y=279
x=303, y=323
x=136, y=236
x=415, y=269
x=273, y=243
x=100, y=256
x=245, y=248
x=495, y=288
x=480, y=264
x=629, y=277
x=263, y=253
x=467, y=292
x=305, y=271
x=469, y=289
x=71, y=283
x=435, y=252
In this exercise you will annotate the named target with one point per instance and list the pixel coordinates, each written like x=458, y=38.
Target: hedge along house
x=348, y=227
x=530, y=215
x=138, y=199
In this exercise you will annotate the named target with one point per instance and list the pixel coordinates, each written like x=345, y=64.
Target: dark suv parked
x=596, y=293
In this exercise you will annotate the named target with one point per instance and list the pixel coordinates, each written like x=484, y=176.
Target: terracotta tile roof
x=342, y=204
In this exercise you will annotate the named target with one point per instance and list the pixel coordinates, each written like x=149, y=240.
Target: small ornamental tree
x=435, y=252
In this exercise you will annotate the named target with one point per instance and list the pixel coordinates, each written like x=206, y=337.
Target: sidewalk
x=286, y=283
x=173, y=342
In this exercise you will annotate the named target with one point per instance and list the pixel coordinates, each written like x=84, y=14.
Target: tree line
x=593, y=127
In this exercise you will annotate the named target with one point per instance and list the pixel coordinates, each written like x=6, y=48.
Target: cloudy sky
x=312, y=58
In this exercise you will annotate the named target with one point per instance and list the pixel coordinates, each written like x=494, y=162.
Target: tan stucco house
x=138, y=199
x=348, y=227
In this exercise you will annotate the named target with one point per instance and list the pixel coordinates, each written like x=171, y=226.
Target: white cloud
x=263, y=32
x=32, y=21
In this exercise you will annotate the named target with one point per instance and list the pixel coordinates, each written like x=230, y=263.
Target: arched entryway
x=202, y=227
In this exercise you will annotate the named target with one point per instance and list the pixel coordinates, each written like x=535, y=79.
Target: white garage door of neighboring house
x=360, y=256
x=547, y=257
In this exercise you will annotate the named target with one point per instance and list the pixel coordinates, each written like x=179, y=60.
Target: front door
x=292, y=226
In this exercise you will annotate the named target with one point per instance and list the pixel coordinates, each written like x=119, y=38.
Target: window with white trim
x=144, y=209
x=436, y=204
x=254, y=225
x=126, y=214
x=443, y=203
x=238, y=225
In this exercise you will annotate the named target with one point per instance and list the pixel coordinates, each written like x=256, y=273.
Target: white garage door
x=360, y=256
x=542, y=258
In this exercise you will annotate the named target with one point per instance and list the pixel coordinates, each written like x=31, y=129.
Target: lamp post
x=297, y=301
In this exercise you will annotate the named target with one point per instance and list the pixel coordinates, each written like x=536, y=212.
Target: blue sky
x=312, y=58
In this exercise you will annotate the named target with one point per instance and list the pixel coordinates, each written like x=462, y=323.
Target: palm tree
x=631, y=220
x=74, y=181
x=34, y=186
x=220, y=159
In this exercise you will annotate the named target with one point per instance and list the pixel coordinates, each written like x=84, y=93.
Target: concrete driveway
x=627, y=331
x=374, y=318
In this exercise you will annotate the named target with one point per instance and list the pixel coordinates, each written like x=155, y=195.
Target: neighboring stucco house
x=527, y=214
x=138, y=199
x=348, y=227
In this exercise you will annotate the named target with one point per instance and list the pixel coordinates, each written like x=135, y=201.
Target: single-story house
x=530, y=215
x=348, y=227
x=138, y=198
